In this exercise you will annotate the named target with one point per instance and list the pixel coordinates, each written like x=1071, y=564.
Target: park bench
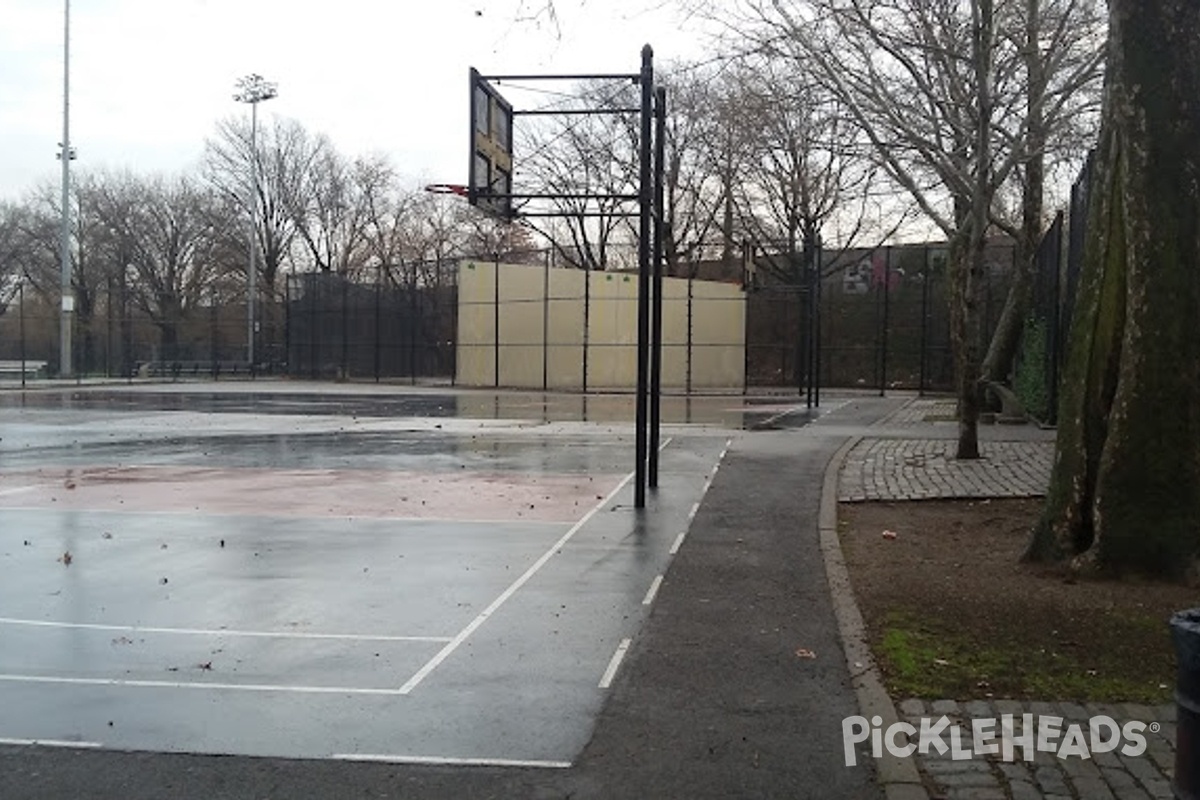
x=14, y=368
x=193, y=369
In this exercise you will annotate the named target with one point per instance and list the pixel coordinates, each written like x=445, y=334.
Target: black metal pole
x=656, y=324
x=924, y=328
x=21, y=324
x=495, y=322
x=818, y=259
x=810, y=312
x=378, y=316
x=316, y=326
x=213, y=332
x=587, y=324
x=546, y=321
x=345, y=376
x=645, y=204
x=690, y=343
x=288, y=361
x=887, y=296
x=414, y=299
x=108, y=328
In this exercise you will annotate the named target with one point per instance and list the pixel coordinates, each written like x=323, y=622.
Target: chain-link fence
x=338, y=328
x=883, y=323
x=884, y=320
x=114, y=337
x=1055, y=285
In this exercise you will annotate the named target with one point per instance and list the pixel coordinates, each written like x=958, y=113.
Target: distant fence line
x=883, y=323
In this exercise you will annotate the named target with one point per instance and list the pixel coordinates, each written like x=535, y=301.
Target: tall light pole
x=66, y=153
x=253, y=89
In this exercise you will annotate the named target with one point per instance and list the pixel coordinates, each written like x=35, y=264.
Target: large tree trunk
x=1125, y=492
x=1006, y=340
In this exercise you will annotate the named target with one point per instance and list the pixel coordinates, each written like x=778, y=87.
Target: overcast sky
x=150, y=78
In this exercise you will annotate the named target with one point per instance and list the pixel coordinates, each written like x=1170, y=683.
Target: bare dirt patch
x=951, y=612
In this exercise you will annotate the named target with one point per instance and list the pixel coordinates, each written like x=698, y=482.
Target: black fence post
x=690, y=342
x=288, y=364
x=820, y=267
x=345, y=368
x=214, y=354
x=377, y=336
x=21, y=324
x=923, y=355
x=546, y=321
x=587, y=322
x=887, y=301
x=495, y=321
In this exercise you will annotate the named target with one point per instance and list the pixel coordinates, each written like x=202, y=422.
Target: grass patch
x=919, y=658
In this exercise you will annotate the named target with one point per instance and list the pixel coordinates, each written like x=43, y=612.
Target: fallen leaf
x=106, y=535
x=66, y=559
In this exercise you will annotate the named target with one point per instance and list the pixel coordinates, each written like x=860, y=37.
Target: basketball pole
x=656, y=321
x=645, y=203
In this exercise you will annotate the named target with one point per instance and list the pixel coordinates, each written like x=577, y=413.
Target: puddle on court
x=727, y=411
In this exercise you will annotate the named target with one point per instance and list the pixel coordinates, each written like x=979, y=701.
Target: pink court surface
x=360, y=573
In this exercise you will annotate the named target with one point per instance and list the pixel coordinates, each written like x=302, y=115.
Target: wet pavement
x=375, y=401
x=328, y=575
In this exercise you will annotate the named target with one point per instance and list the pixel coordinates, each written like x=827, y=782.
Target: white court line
x=524, y=523
x=615, y=663
x=653, y=591
x=516, y=585
x=51, y=743
x=20, y=489
x=453, y=762
x=353, y=637
x=693, y=512
x=678, y=543
x=232, y=687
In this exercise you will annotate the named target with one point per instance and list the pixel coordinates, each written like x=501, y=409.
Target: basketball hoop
x=447, y=188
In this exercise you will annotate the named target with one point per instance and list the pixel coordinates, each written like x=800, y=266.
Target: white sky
x=150, y=78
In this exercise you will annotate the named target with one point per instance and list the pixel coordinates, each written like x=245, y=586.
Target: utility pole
x=253, y=89
x=66, y=153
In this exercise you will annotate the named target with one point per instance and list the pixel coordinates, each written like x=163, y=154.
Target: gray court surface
x=407, y=577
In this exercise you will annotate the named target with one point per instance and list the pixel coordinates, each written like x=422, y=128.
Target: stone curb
x=898, y=776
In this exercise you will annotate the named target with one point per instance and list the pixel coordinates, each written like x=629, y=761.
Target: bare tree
x=938, y=91
x=39, y=231
x=806, y=167
x=285, y=157
x=174, y=235
x=588, y=163
x=333, y=207
x=1060, y=42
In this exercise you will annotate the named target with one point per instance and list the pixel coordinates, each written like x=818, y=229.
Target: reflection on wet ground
x=727, y=411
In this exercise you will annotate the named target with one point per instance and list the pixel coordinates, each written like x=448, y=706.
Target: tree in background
x=1125, y=491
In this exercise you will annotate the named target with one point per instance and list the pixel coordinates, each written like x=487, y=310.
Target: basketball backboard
x=490, y=185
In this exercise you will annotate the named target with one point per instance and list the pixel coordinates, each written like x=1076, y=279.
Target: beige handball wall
x=569, y=329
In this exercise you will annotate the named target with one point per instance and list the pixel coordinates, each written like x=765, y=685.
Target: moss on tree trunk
x=1125, y=491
